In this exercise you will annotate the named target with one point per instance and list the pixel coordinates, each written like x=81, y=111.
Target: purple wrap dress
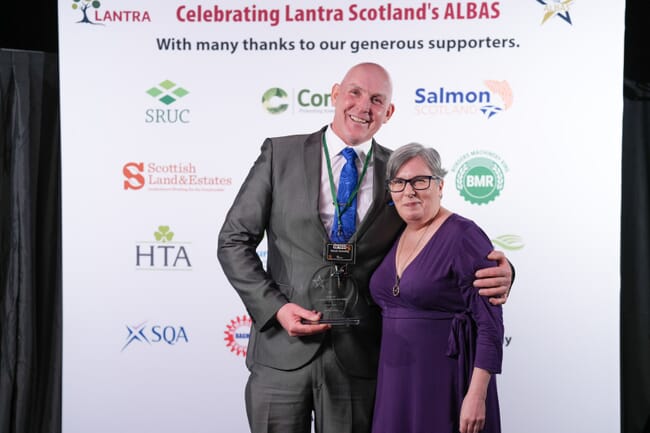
x=434, y=332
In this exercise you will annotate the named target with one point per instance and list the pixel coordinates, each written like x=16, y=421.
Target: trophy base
x=342, y=321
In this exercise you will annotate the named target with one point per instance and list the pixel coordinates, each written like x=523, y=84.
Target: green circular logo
x=273, y=100
x=479, y=180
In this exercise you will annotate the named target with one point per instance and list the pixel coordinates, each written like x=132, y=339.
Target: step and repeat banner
x=165, y=105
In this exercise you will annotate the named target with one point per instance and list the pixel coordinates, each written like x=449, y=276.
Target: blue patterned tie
x=347, y=184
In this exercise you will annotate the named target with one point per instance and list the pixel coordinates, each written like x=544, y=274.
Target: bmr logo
x=155, y=334
x=276, y=101
x=480, y=176
x=559, y=8
x=163, y=253
x=86, y=6
x=167, y=93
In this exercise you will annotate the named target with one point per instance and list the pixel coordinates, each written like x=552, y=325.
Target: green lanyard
x=340, y=211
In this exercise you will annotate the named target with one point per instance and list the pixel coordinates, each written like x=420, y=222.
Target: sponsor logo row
x=484, y=99
x=141, y=335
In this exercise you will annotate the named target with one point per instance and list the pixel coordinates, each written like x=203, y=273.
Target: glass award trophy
x=334, y=293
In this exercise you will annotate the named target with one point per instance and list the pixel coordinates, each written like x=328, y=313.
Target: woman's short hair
x=402, y=154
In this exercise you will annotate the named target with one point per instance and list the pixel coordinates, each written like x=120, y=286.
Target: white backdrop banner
x=165, y=105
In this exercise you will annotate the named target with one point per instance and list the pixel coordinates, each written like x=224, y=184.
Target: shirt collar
x=335, y=145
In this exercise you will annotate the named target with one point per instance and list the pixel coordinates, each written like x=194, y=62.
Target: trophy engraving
x=334, y=293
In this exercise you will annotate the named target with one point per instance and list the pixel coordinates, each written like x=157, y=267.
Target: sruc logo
x=167, y=93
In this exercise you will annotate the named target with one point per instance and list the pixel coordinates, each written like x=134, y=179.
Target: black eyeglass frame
x=410, y=181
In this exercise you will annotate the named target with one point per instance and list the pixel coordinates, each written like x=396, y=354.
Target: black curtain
x=635, y=260
x=30, y=243
x=635, y=223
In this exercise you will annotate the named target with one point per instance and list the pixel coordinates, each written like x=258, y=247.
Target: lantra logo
x=167, y=93
x=556, y=8
x=91, y=13
x=489, y=102
x=276, y=100
x=163, y=253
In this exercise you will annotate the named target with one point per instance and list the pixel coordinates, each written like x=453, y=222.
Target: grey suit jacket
x=280, y=198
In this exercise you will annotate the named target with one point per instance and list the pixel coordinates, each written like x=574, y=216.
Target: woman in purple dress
x=442, y=343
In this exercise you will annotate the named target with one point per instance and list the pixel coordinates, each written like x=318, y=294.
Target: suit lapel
x=312, y=155
x=380, y=196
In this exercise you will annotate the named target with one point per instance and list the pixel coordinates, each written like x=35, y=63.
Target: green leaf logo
x=509, y=242
x=167, y=92
x=163, y=234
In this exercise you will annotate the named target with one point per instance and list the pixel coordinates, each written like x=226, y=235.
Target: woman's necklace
x=406, y=262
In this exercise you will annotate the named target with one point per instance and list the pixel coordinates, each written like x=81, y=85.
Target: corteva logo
x=480, y=176
x=180, y=177
x=167, y=93
x=162, y=253
x=91, y=13
x=277, y=100
x=274, y=100
x=495, y=98
x=556, y=8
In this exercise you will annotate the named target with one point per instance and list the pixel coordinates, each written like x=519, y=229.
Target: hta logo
x=163, y=254
x=155, y=334
x=167, y=93
x=480, y=177
x=559, y=8
x=237, y=335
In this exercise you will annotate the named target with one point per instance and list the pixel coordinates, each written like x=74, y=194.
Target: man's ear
x=335, y=92
x=389, y=112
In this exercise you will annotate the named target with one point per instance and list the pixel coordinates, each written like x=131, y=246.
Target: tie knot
x=349, y=154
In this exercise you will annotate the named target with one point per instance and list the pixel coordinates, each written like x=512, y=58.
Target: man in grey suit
x=298, y=364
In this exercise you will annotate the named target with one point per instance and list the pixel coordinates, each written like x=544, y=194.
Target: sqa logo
x=167, y=93
x=443, y=101
x=86, y=7
x=143, y=334
x=556, y=8
x=238, y=332
x=162, y=254
x=277, y=100
x=480, y=176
